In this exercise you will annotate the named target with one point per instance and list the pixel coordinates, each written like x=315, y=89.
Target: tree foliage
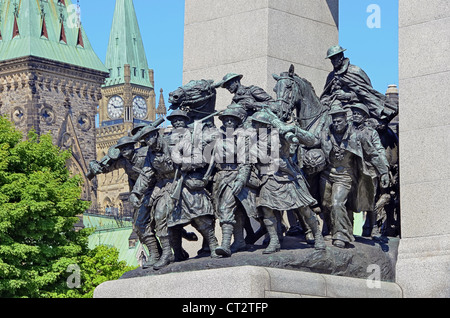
x=39, y=204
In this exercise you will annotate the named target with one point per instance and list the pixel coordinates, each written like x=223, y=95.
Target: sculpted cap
x=261, y=117
x=125, y=141
x=227, y=78
x=231, y=112
x=337, y=109
x=178, y=113
x=361, y=107
x=334, y=50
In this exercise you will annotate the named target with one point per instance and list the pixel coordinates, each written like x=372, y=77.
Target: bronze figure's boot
x=167, y=256
x=274, y=244
x=175, y=235
x=224, y=249
x=153, y=247
x=313, y=224
x=239, y=243
x=211, y=240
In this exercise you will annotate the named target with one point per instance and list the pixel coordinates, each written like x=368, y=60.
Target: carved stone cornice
x=36, y=64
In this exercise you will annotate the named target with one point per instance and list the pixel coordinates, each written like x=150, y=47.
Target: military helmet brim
x=229, y=77
x=231, y=112
x=361, y=107
x=147, y=131
x=138, y=127
x=335, y=50
x=260, y=118
x=125, y=141
x=337, y=111
x=178, y=113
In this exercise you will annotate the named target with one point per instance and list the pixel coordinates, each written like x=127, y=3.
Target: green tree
x=97, y=266
x=39, y=204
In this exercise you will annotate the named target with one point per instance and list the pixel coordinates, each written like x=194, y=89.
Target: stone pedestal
x=423, y=267
x=257, y=38
x=243, y=283
x=298, y=270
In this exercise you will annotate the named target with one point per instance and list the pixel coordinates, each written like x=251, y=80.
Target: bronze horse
x=297, y=100
x=197, y=98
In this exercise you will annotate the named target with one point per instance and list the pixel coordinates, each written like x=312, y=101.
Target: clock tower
x=128, y=99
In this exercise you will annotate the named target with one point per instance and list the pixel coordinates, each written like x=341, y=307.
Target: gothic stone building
x=50, y=78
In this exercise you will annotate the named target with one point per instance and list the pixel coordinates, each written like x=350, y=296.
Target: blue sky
x=373, y=46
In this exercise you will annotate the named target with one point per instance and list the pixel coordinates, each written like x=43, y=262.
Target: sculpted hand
x=237, y=187
x=385, y=181
x=134, y=200
x=341, y=95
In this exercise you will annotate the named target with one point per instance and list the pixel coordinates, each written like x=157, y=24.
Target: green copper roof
x=112, y=234
x=126, y=47
x=46, y=29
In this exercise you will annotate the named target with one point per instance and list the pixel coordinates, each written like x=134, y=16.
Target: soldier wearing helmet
x=349, y=84
x=360, y=116
x=251, y=98
x=345, y=184
x=283, y=186
x=133, y=160
x=234, y=196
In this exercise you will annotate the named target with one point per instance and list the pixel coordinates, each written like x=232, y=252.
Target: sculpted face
x=232, y=86
x=127, y=151
x=178, y=122
x=230, y=122
x=339, y=123
x=337, y=60
x=151, y=138
x=358, y=116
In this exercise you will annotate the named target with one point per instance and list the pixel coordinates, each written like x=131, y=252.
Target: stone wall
x=423, y=268
x=258, y=38
x=55, y=98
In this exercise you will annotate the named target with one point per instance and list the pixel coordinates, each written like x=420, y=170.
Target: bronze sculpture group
x=298, y=153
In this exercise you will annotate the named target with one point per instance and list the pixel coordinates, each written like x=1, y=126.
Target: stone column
x=257, y=38
x=423, y=267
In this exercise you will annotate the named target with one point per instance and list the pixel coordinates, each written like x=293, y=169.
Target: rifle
x=112, y=155
x=176, y=188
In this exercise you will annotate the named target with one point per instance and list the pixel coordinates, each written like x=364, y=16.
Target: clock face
x=139, y=107
x=115, y=107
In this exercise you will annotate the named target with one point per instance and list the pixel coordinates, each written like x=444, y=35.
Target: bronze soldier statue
x=283, y=187
x=159, y=170
x=233, y=194
x=251, y=98
x=360, y=116
x=349, y=84
x=132, y=161
x=192, y=202
x=345, y=184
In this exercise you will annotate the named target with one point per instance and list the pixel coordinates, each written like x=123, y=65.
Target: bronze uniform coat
x=362, y=198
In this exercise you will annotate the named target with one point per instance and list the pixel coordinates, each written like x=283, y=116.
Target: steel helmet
x=334, y=50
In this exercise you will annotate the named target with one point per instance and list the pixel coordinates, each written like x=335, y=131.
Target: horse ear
x=276, y=77
x=292, y=70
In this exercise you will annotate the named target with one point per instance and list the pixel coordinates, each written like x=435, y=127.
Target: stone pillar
x=257, y=38
x=423, y=267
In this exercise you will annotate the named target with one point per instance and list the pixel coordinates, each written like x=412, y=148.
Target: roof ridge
x=25, y=34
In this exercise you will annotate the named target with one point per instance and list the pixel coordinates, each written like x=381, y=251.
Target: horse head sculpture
x=297, y=98
x=197, y=98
